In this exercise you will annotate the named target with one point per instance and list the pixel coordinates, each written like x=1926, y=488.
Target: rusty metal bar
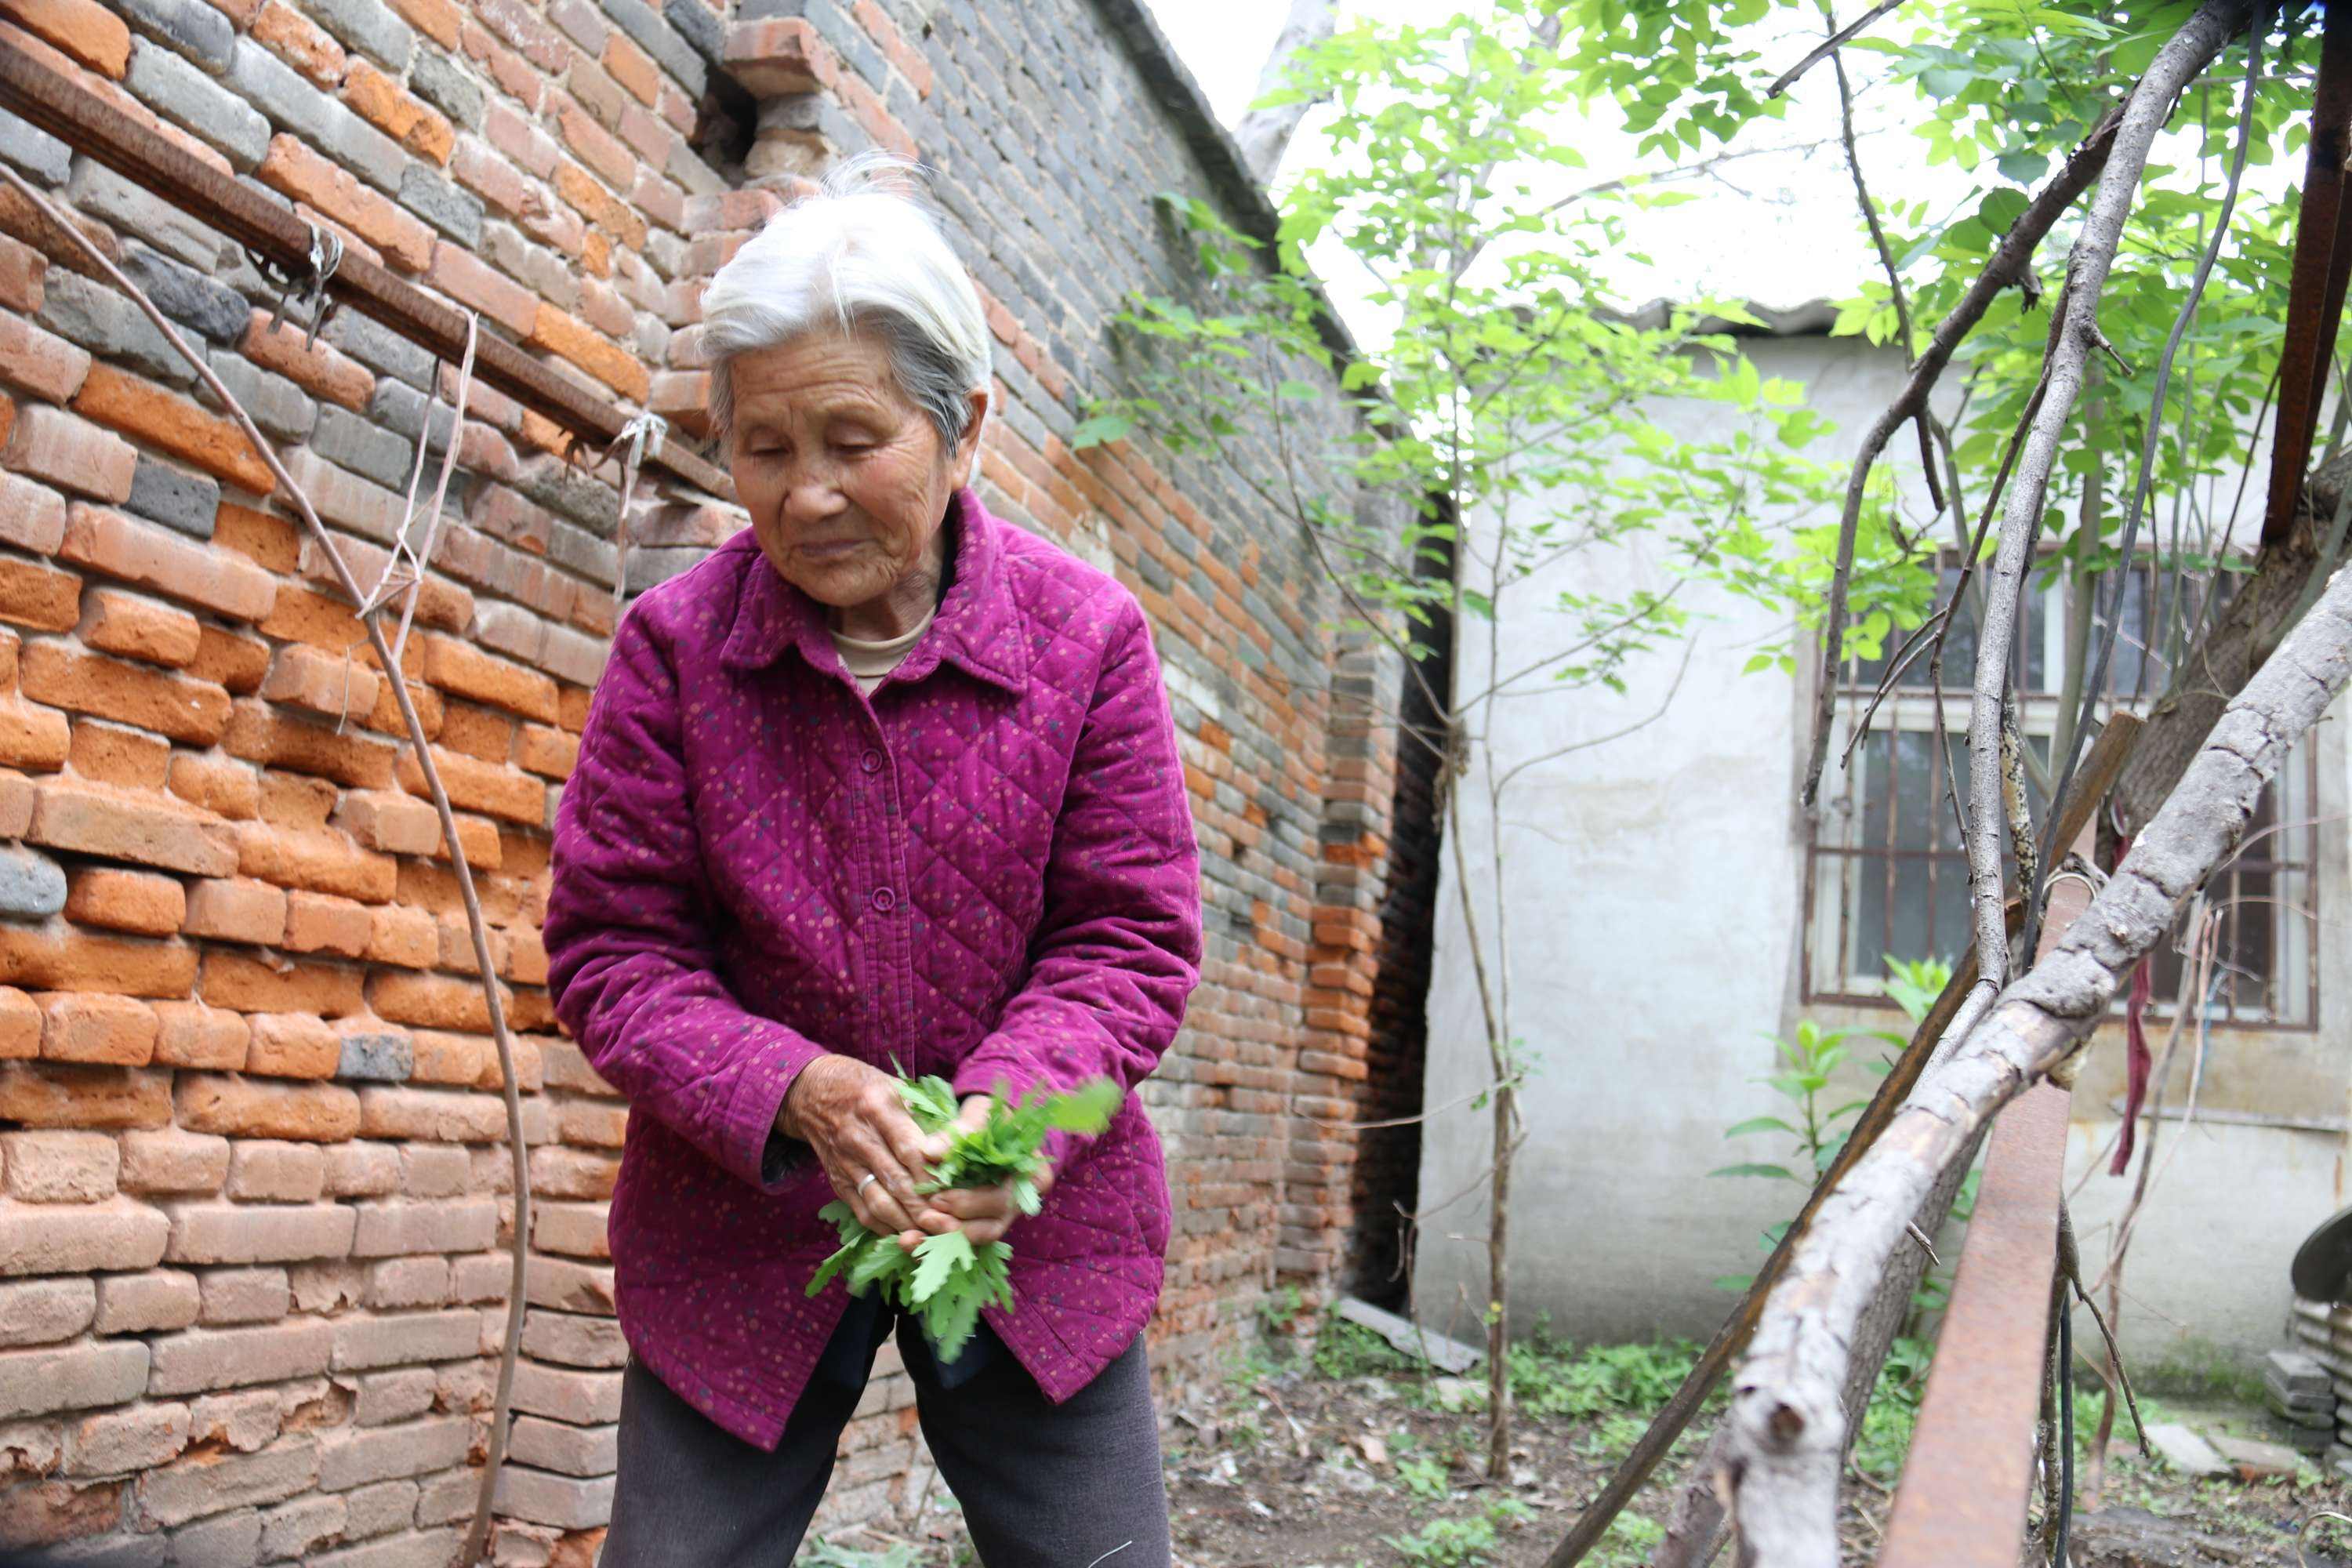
x=2315, y=287
x=1965, y=1487
x=88, y=124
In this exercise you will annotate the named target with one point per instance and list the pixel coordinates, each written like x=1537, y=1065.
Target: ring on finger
x=863, y=1180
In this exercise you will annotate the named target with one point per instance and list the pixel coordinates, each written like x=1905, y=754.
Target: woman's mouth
x=830, y=549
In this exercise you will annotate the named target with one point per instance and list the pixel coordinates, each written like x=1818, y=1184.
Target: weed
x=1552, y=1378
x=1424, y=1476
x=821, y=1554
x=1344, y=1350
x=1628, y=1542
x=1278, y=1310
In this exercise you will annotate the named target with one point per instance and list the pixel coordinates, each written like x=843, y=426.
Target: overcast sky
x=1778, y=228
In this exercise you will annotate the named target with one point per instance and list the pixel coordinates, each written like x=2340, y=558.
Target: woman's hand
x=983, y=1213
x=851, y=1114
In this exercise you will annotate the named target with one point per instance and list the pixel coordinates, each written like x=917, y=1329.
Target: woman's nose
x=811, y=497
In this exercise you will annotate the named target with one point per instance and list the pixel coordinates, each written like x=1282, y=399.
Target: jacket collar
x=978, y=627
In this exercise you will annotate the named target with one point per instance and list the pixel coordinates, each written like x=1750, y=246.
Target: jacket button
x=872, y=762
x=884, y=899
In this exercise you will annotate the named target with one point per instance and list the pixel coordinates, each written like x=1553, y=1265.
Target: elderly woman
x=883, y=781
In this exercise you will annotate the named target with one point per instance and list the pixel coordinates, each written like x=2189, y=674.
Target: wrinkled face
x=846, y=478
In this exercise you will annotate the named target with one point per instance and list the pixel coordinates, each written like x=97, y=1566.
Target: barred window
x=1887, y=877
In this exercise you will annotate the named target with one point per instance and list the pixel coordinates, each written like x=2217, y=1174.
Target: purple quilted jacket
x=985, y=871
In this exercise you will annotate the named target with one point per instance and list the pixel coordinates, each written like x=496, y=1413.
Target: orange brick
x=408, y=937
x=477, y=785
x=62, y=958
x=33, y=737
x=321, y=923
x=633, y=67
x=468, y=279
x=299, y=43
x=20, y=1025
x=293, y=170
x=248, y=1107
x=136, y=901
x=295, y=800
x=146, y=412
x=303, y=677
x=465, y=670
x=191, y=710
x=270, y=543
x=40, y=597
x=65, y=1094
x=436, y=19
x=215, y=783
x=268, y=983
x=191, y=1034
x=137, y=628
x=236, y=909
x=40, y=363
x=118, y=754
x=82, y=28
x=482, y=733
x=92, y=819
x=291, y=1045
x=54, y=446
x=573, y=704
x=323, y=861
x=451, y=1058
x=383, y=104
x=394, y=823
x=22, y=270
x=319, y=368
x=236, y=662
x=260, y=733
x=525, y=963
x=110, y=1031
x=119, y=546
x=569, y=338
x=479, y=837
x=430, y=1000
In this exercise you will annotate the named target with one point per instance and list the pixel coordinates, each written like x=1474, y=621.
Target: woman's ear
x=966, y=448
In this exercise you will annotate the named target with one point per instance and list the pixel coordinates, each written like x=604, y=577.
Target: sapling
x=946, y=1281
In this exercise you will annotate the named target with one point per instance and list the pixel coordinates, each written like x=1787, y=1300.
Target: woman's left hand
x=982, y=1214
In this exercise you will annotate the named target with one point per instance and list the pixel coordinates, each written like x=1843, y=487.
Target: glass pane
x=1915, y=789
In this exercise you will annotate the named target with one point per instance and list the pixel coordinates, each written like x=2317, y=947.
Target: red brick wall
x=253, y=1192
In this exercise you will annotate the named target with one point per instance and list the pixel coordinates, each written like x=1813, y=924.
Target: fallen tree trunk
x=2236, y=642
x=1787, y=1430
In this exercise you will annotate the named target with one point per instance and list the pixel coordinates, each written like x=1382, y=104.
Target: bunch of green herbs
x=946, y=1281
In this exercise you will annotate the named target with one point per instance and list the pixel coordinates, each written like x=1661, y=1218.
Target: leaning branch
x=478, y=1537
x=2008, y=265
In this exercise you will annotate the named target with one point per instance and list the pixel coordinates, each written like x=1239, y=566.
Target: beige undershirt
x=868, y=662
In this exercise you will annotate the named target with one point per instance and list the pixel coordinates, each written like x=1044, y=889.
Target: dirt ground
x=1358, y=1459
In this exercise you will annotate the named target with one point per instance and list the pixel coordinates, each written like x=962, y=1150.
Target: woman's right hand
x=851, y=1114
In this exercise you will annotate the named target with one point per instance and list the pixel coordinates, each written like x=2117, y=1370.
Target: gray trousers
x=1042, y=1485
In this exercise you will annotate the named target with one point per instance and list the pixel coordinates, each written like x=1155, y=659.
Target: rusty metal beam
x=2316, y=288
x=1970, y=1474
x=88, y=124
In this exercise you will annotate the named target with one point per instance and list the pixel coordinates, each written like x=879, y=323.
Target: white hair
x=861, y=253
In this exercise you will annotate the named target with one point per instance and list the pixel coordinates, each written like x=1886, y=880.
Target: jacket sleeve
x=1118, y=945
x=630, y=960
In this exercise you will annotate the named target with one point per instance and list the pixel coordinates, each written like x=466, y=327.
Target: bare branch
x=1264, y=133
x=1788, y=78
x=478, y=1536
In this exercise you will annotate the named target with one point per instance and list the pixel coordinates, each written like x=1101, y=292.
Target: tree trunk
x=2219, y=664
x=1264, y=133
x=1498, y=1327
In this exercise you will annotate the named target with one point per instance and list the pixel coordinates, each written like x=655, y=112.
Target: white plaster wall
x=1654, y=888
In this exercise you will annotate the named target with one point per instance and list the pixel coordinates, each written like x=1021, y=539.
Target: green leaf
x=936, y=1259
x=1100, y=429
x=1759, y=1124
x=1754, y=1170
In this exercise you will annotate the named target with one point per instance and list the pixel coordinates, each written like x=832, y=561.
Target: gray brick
x=199, y=1360
x=400, y=407
x=439, y=81
x=103, y=194
x=356, y=1456
x=109, y=1551
x=384, y=1058
x=346, y=439
x=174, y=497
x=276, y=405
x=187, y=28
x=380, y=348
x=566, y=1502
x=299, y=1528
x=456, y=213
x=188, y=297
x=44, y=159
x=581, y=24
x=32, y=886
x=368, y=27
x=232, y=1540
x=365, y=151
x=204, y=1484
x=380, y=1509
x=274, y=88
x=109, y=325
x=187, y=97
x=563, y=489
x=433, y=1551
x=698, y=26
x=673, y=53
x=72, y=1378
x=579, y=551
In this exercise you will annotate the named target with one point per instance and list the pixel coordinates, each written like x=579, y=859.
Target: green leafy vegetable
x=946, y=1281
